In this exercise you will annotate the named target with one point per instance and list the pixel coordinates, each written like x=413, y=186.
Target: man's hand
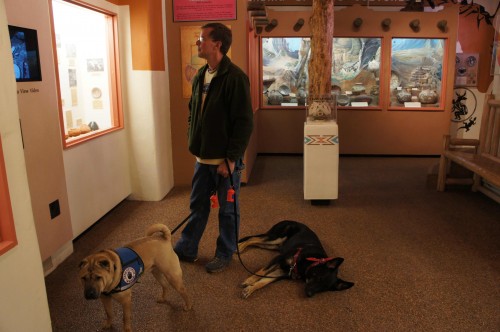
x=222, y=169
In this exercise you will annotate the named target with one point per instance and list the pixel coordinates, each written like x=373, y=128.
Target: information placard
x=204, y=10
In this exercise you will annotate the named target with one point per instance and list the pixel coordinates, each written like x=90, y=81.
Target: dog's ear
x=334, y=263
x=341, y=285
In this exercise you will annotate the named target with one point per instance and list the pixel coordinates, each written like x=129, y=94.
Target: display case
x=284, y=71
x=416, y=72
x=365, y=64
x=380, y=61
x=355, y=71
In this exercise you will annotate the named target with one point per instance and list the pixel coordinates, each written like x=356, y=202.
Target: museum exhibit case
x=416, y=72
x=87, y=71
x=413, y=81
x=392, y=77
x=355, y=71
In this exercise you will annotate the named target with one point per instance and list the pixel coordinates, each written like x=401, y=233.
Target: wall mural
x=464, y=106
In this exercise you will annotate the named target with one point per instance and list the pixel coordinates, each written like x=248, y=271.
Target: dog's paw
x=246, y=292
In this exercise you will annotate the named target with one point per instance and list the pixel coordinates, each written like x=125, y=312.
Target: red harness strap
x=294, y=270
x=317, y=261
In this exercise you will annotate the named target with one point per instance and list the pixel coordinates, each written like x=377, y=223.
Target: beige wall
x=23, y=288
x=38, y=111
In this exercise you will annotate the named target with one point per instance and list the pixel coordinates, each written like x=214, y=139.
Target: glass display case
x=284, y=71
x=355, y=71
x=416, y=72
x=415, y=77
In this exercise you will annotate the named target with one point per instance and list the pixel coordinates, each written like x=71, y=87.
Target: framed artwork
x=190, y=62
x=206, y=10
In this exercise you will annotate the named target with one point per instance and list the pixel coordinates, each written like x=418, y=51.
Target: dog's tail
x=159, y=228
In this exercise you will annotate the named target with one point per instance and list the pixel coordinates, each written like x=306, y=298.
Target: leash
x=236, y=224
x=231, y=197
x=182, y=222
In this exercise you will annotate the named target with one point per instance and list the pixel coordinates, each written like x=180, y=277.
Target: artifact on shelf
x=358, y=89
x=403, y=96
x=301, y=96
x=274, y=97
x=363, y=98
x=93, y=125
x=343, y=100
x=428, y=95
x=84, y=128
x=73, y=132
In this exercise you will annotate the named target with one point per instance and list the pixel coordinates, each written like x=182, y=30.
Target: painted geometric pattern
x=321, y=140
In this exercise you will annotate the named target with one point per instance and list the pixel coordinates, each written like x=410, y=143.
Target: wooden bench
x=480, y=156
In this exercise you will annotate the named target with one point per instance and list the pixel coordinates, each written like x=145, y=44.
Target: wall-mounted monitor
x=24, y=45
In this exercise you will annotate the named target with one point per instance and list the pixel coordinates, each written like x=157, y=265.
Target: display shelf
x=393, y=61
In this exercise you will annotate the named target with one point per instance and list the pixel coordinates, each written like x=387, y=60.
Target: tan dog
x=104, y=276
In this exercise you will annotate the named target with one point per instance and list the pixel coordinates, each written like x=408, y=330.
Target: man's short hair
x=221, y=33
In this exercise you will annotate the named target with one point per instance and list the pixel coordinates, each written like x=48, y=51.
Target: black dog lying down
x=301, y=257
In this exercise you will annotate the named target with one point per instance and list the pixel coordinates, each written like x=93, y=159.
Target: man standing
x=220, y=124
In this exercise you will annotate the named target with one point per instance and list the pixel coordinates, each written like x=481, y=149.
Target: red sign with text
x=204, y=10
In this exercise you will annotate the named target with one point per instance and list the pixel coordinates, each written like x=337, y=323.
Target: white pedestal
x=321, y=160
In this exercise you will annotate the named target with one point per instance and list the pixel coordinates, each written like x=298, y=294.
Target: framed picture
x=24, y=45
x=206, y=10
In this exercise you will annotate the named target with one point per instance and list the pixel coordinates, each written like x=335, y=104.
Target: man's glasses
x=202, y=39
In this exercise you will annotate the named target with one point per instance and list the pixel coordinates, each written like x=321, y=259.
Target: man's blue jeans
x=205, y=182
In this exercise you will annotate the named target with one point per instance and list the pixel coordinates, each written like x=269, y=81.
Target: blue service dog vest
x=132, y=268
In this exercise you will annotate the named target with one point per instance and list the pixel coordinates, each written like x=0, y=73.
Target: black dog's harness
x=294, y=269
x=132, y=269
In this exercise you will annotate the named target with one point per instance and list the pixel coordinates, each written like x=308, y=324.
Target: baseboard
x=51, y=263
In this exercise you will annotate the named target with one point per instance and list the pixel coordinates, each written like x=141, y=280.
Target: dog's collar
x=132, y=269
x=317, y=261
x=294, y=269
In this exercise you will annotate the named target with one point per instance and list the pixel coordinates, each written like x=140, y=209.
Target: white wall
x=97, y=172
x=23, y=303
x=146, y=102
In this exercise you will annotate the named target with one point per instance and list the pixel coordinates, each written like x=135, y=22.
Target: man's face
x=206, y=46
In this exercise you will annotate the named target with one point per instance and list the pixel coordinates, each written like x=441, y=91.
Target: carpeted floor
x=420, y=260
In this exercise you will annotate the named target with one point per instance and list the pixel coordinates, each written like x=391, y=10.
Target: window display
x=87, y=68
x=355, y=71
x=284, y=71
x=416, y=72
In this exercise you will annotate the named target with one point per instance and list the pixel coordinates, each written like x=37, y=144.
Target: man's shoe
x=184, y=258
x=217, y=264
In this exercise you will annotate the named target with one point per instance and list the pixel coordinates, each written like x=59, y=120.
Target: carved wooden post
x=321, y=159
x=320, y=63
